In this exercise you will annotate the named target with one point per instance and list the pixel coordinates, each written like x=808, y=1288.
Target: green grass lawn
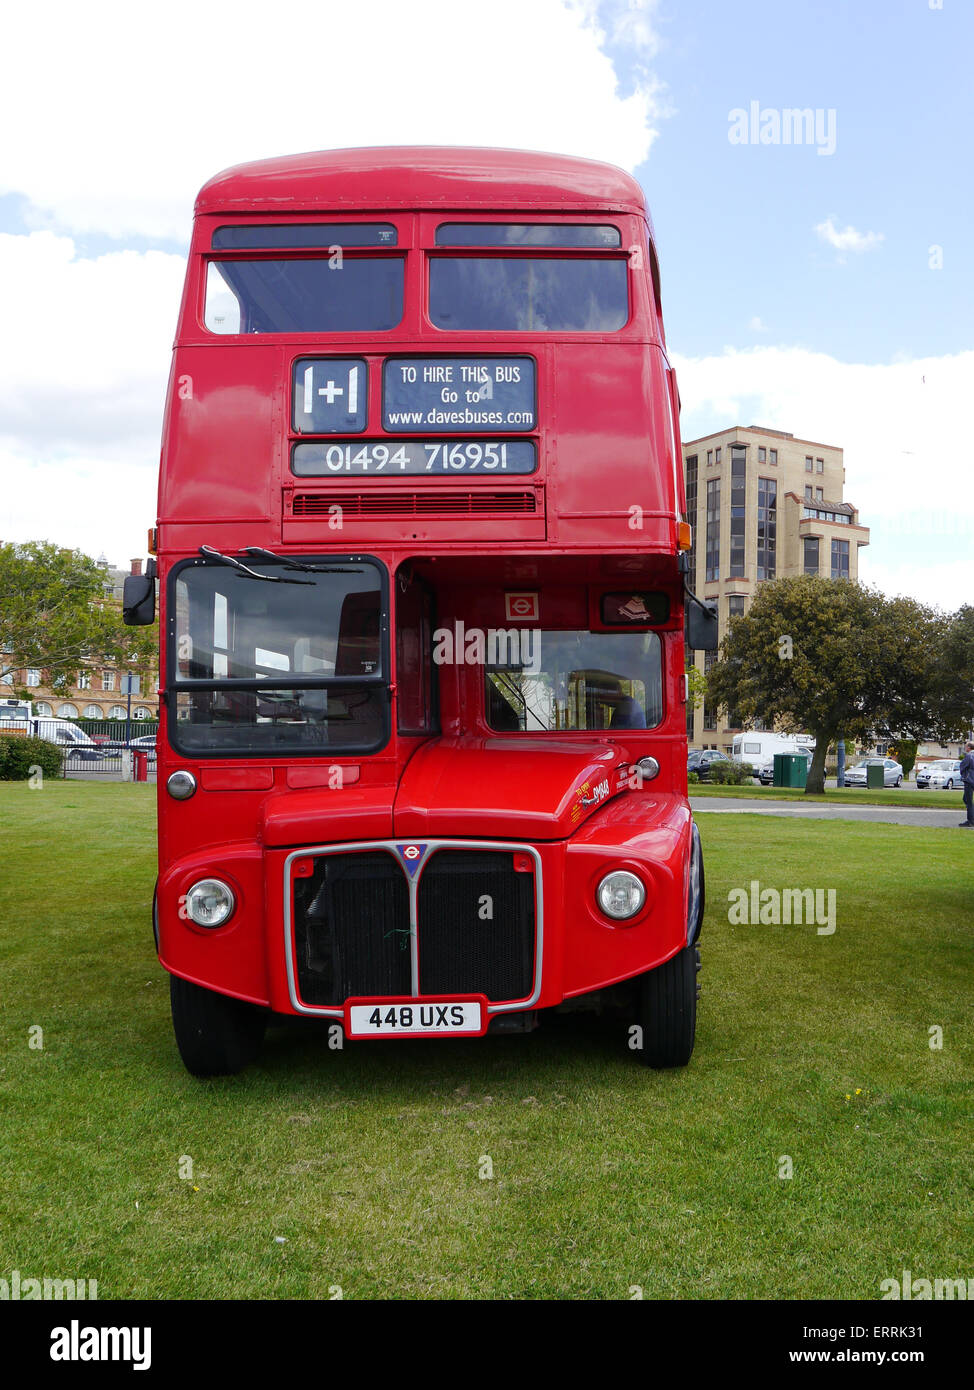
x=367, y=1160
x=860, y=796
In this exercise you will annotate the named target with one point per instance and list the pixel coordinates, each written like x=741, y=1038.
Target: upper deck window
x=362, y=294
x=528, y=294
x=304, y=235
x=526, y=234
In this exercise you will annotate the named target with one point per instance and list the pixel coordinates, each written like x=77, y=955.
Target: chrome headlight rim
x=181, y=785
x=212, y=887
x=637, y=890
x=647, y=769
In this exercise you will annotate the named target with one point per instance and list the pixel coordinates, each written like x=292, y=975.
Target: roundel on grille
x=411, y=856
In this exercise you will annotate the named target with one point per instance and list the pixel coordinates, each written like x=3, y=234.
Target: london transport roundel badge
x=411, y=856
x=524, y=606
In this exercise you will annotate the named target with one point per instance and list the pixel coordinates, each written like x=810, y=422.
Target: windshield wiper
x=210, y=553
x=290, y=564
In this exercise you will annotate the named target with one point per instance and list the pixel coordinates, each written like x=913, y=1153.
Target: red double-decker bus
x=421, y=551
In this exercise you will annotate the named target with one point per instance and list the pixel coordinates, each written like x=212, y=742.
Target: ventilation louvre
x=442, y=502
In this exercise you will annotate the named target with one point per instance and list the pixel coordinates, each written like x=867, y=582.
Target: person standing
x=967, y=777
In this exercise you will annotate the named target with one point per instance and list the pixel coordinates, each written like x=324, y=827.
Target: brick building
x=98, y=691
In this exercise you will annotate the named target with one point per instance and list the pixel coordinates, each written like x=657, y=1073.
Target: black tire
x=216, y=1035
x=899, y=781
x=950, y=785
x=668, y=1010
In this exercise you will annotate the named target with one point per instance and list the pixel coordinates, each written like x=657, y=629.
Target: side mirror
x=138, y=600
x=701, y=624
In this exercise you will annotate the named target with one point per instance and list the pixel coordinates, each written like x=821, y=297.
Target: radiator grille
x=351, y=928
x=475, y=927
x=463, y=950
x=444, y=502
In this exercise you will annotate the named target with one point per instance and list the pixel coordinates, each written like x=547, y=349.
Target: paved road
x=821, y=810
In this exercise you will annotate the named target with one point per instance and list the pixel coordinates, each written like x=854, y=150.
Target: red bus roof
x=422, y=176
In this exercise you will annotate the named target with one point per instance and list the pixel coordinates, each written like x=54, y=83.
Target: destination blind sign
x=439, y=395
x=406, y=457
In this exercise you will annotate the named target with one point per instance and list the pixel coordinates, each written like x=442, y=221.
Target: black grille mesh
x=462, y=951
x=351, y=927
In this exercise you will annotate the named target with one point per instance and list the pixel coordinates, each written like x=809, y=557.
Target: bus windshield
x=281, y=659
x=562, y=681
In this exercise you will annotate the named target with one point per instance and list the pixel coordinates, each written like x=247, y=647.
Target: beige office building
x=762, y=505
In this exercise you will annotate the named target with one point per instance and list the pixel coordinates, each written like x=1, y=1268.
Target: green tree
x=696, y=686
x=55, y=616
x=904, y=750
x=952, y=681
x=831, y=657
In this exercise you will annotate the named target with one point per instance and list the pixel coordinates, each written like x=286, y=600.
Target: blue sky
x=797, y=286
x=735, y=223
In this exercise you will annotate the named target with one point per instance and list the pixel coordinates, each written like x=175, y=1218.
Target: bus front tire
x=668, y=1010
x=216, y=1035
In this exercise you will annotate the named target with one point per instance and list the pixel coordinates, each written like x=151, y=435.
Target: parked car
x=766, y=771
x=701, y=760
x=945, y=772
x=892, y=772
x=77, y=745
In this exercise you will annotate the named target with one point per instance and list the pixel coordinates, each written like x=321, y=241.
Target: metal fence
x=114, y=729
x=97, y=750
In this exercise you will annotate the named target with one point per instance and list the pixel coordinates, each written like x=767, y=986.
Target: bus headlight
x=209, y=903
x=181, y=786
x=621, y=895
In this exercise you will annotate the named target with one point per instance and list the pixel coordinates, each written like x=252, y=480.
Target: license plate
x=412, y=1018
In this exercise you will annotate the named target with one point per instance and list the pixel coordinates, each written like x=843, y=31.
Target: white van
x=759, y=749
x=67, y=736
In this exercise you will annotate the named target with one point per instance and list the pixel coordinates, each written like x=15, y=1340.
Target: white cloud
x=899, y=426
x=848, y=239
x=84, y=360
x=139, y=106
x=756, y=325
x=85, y=351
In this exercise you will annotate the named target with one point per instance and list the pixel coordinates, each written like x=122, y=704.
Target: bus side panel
x=613, y=423
x=224, y=437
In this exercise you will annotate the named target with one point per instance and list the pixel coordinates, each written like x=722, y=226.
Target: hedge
x=731, y=774
x=18, y=755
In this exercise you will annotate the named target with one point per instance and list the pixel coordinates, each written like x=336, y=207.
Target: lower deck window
x=564, y=681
